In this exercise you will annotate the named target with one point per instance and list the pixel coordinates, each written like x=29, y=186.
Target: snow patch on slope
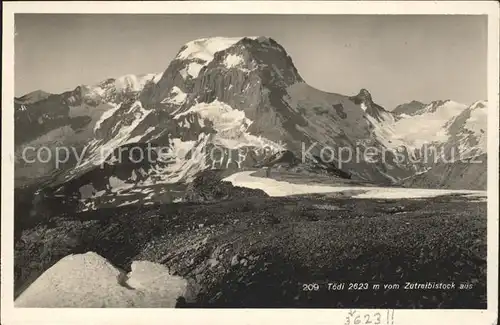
x=118, y=185
x=107, y=114
x=231, y=126
x=99, y=149
x=177, y=96
x=185, y=169
x=280, y=188
x=181, y=148
x=193, y=69
x=233, y=60
x=222, y=115
x=90, y=281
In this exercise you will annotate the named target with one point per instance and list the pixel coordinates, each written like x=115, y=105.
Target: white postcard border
x=11, y=315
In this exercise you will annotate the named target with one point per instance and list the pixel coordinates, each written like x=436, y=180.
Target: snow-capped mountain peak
x=205, y=48
x=201, y=52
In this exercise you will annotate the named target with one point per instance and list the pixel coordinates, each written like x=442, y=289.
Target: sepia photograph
x=217, y=160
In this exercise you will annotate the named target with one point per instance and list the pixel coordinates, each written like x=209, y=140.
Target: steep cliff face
x=243, y=78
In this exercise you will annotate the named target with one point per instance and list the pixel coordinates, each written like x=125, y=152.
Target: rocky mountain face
x=39, y=113
x=67, y=120
x=246, y=98
x=228, y=103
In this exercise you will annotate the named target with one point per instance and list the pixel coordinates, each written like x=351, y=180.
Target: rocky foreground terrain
x=250, y=250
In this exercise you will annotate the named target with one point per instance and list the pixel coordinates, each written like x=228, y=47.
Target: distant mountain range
x=237, y=95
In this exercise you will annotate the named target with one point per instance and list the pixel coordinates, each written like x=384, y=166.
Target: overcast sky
x=397, y=58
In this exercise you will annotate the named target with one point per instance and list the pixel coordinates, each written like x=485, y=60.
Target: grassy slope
x=258, y=252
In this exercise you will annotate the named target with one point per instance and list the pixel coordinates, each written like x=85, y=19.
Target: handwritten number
x=365, y=319
x=348, y=319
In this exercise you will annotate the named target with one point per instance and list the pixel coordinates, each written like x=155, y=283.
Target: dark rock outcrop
x=208, y=186
x=288, y=161
x=365, y=98
x=285, y=157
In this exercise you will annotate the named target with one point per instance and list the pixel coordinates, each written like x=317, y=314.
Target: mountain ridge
x=242, y=95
